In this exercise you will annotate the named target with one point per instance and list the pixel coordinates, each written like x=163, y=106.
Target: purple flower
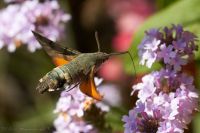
x=164, y=81
x=167, y=98
x=170, y=127
x=71, y=102
x=139, y=121
x=71, y=107
x=166, y=104
x=188, y=102
x=173, y=94
x=146, y=88
x=164, y=50
x=130, y=124
x=172, y=46
x=46, y=17
x=160, y=114
x=66, y=124
x=148, y=53
x=130, y=120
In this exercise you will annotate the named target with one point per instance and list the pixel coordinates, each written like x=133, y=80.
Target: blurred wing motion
x=88, y=87
x=60, y=55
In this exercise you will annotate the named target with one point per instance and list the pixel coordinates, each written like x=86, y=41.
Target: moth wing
x=61, y=55
x=89, y=88
x=58, y=61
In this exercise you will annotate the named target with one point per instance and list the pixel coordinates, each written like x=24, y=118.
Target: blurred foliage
x=164, y=3
x=114, y=118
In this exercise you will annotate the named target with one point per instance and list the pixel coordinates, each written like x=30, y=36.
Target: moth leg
x=70, y=88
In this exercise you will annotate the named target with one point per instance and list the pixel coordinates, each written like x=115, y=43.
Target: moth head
x=102, y=57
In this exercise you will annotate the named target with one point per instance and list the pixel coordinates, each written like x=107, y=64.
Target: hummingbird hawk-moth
x=73, y=67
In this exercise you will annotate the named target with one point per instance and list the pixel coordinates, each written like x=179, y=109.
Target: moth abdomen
x=53, y=80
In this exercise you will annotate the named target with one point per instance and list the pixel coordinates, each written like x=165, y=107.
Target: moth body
x=82, y=64
x=53, y=80
x=72, y=73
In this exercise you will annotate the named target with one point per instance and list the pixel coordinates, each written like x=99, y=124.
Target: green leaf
x=196, y=122
x=185, y=12
x=114, y=118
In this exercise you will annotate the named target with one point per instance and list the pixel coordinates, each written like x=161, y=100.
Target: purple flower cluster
x=66, y=124
x=178, y=44
x=13, y=1
x=45, y=17
x=172, y=96
x=71, y=107
x=167, y=98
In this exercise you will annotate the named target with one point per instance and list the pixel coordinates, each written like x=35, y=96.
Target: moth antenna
x=97, y=40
